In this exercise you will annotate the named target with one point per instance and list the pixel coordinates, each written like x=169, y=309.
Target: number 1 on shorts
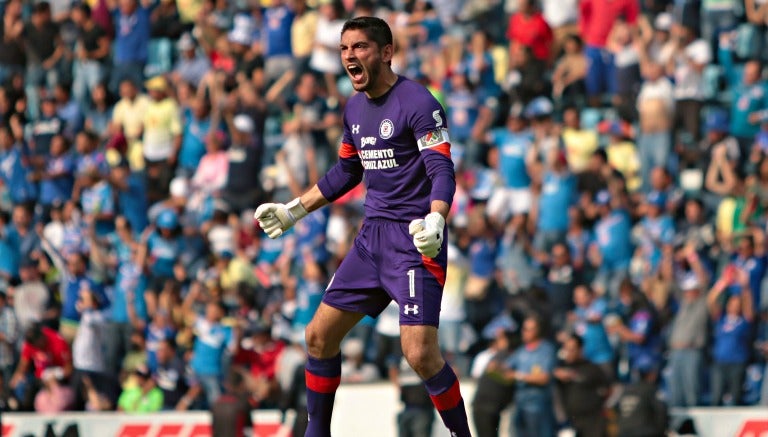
x=412, y=283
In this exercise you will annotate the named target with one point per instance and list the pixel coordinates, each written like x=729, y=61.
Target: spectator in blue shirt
x=191, y=66
x=213, y=341
x=510, y=154
x=197, y=125
x=655, y=232
x=131, y=45
x=277, y=40
x=57, y=180
x=131, y=194
x=640, y=330
x=98, y=202
x=45, y=128
x=751, y=258
x=749, y=93
x=162, y=249
x=530, y=367
x=612, y=250
x=558, y=194
x=732, y=311
x=13, y=171
x=588, y=324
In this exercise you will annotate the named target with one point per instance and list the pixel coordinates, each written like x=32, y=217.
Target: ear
x=387, y=52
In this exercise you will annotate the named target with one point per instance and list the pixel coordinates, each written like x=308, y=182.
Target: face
x=57, y=145
x=692, y=211
x=363, y=59
x=530, y=331
x=164, y=352
x=21, y=217
x=751, y=72
x=305, y=90
x=560, y=255
x=745, y=248
x=75, y=264
x=571, y=119
x=571, y=351
x=213, y=312
x=127, y=90
x=581, y=296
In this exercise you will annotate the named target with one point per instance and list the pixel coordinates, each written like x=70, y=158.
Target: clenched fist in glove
x=276, y=218
x=428, y=234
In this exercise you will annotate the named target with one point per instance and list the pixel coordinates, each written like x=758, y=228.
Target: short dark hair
x=375, y=29
x=35, y=334
x=84, y=8
x=576, y=338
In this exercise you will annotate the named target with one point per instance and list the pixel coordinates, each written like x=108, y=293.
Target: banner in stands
x=359, y=409
x=736, y=422
x=191, y=424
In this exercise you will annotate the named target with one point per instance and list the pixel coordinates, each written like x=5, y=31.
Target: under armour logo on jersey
x=411, y=309
x=355, y=128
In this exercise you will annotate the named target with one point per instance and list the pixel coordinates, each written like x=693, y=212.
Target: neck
x=386, y=81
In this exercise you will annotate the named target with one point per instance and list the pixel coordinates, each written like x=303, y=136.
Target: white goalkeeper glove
x=428, y=234
x=276, y=218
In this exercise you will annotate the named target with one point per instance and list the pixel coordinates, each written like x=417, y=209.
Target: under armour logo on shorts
x=411, y=309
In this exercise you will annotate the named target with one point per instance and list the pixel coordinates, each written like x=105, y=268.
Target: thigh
x=414, y=281
x=355, y=286
x=328, y=327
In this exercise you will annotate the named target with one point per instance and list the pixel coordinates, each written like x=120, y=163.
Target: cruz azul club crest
x=386, y=129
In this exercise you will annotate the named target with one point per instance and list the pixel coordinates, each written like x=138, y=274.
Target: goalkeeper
x=394, y=134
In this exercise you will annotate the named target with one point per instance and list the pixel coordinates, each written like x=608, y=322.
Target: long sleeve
x=344, y=175
x=441, y=172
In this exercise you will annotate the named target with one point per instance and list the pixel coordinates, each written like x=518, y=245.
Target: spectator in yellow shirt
x=128, y=117
x=622, y=153
x=580, y=143
x=161, y=138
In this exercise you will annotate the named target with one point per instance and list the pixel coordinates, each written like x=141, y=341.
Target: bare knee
x=318, y=344
x=425, y=361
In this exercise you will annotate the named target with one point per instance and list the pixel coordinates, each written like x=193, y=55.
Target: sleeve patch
x=433, y=139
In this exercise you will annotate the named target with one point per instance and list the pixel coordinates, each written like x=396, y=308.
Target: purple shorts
x=383, y=264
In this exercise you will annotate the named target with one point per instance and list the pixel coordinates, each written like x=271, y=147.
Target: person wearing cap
x=510, y=156
x=688, y=336
x=161, y=138
x=131, y=43
x=639, y=411
x=91, y=53
x=242, y=189
x=145, y=397
x=612, y=251
x=161, y=251
x=191, y=66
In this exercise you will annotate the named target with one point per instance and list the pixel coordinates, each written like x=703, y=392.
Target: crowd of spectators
x=612, y=169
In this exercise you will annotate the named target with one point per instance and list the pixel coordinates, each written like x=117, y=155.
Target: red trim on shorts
x=443, y=149
x=448, y=399
x=322, y=384
x=347, y=150
x=436, y=269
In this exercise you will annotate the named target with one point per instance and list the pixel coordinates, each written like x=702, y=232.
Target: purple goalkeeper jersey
x=398, y=144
